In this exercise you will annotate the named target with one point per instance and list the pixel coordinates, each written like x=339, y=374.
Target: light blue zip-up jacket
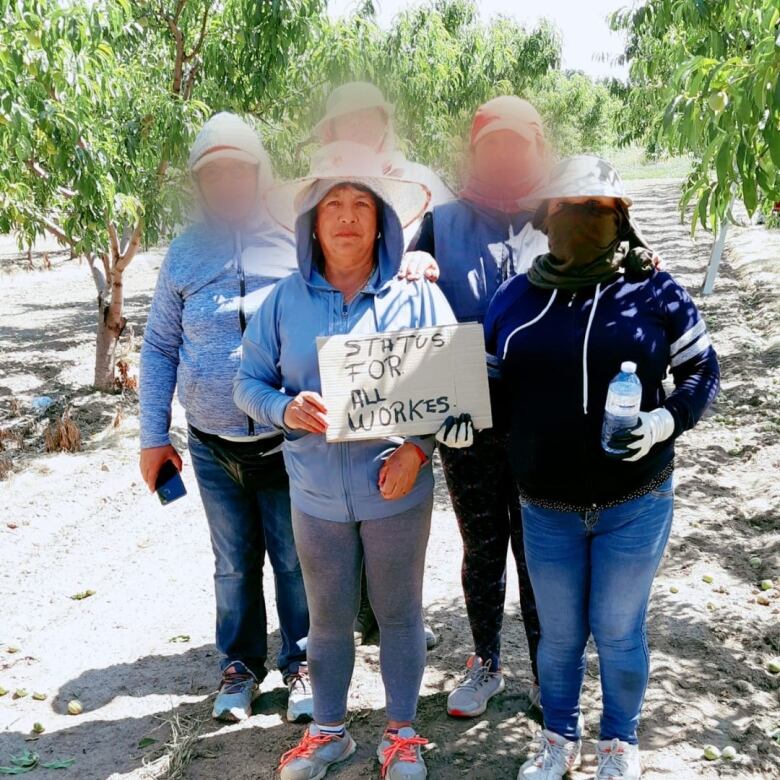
x=211, y=279
x=336, y=481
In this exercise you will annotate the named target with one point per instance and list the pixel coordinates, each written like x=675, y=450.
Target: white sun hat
x=349, y=98
x=227, y=136
x=581, y=176
x=346, y=162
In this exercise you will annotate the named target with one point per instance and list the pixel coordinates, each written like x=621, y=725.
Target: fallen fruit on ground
x=774, y=666
x=767, y=584
x=708, y=578
x=729, y=753
x=74, y=707
x=20, y=693
x=38, y=728
x=711, y=753
x=39, y=696
x=674, y=589
x=755, y=561
x=3, y=691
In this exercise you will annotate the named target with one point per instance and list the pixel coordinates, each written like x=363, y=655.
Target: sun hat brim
x=224, y=153
x=409, y=199
x=524, y=129
x=550, y=192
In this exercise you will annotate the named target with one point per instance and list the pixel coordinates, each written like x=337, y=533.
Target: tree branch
x=113, y=240
x=130, y=250
x=58, y=232
x=201, y=37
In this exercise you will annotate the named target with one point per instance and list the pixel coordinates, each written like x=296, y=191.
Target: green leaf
x=63, y=763
x=749, y=194
x=146, y=742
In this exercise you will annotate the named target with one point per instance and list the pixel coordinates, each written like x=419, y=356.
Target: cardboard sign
x=403, y=383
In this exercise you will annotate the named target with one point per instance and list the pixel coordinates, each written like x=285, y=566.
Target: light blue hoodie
x=336, y=481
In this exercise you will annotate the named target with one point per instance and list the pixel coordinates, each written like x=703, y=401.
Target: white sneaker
x=618, y=761
x=311, y=758
x=300, y=702
x=475, y=690
x=554, y=756
x=400, y=755
x=431, y=640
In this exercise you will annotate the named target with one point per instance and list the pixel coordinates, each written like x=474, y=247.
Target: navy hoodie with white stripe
x=552, y=355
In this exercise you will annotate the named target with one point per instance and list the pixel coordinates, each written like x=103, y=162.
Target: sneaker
x=237, y=691
x=618, y=761
x=311, y=758
x=400, y=755
x=553, y=757
x=431, y=640
x=300, y=703
x=475, y=690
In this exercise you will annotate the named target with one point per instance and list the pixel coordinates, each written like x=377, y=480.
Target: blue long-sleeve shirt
x=553, y=354
x=210, y=280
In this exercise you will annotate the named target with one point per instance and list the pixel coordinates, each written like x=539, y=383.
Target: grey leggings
x=331, y=554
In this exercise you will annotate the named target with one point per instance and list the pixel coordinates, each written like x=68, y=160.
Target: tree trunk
x=110, y=325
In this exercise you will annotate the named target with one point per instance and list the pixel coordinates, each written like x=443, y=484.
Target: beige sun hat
x=346, y=162
x=583, y=175
x=227, y=136
x=349, y=98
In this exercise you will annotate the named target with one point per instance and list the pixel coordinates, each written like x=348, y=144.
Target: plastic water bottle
x=623, y=402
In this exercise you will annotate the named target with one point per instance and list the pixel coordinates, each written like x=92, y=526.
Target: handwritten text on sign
x=403, y=383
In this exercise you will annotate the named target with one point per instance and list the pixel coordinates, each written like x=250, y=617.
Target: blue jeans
x=592, y=573
x=244, y=525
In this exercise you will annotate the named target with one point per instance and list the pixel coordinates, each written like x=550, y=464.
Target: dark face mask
x=581, y=233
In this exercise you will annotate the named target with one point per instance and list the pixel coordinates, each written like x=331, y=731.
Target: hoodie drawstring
x=585, y=349
x=529, y=323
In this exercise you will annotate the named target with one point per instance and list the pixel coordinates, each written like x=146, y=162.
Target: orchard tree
x=705, y=80
x=99, y=100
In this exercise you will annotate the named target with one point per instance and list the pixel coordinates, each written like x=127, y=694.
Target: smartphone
x=170, y=485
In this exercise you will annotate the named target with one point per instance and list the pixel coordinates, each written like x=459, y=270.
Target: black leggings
x=487, y=507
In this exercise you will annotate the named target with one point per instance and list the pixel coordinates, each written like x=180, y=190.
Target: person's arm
x=159, y=364
x=423, y=238
x=160, y=359
x=693, y=361
x=258, y=381
x=695, y=369
x=499, y=400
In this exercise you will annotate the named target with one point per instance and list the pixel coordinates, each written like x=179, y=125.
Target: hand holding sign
x=306, y=412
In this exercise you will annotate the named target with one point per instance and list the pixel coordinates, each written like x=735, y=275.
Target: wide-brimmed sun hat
x=584, y=175
x=346, y=162
x=349, y=98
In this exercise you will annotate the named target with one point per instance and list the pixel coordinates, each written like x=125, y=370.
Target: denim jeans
x=592, y=573
x=244, y=525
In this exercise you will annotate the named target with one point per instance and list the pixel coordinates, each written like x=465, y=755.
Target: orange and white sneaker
x=478, y=686
x=400, y=755
x=552, y=758
x=618, y=761
x=311, y=758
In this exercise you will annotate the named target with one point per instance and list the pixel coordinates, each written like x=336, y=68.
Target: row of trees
x=705, y=80
x=99, y=101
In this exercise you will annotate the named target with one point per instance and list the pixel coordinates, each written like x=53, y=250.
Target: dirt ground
x=139, y=653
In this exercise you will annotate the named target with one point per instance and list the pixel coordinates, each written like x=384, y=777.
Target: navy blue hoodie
x=553, y=354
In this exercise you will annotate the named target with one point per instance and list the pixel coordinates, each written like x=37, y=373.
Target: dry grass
x=125, y=381
x=62, y=435
x=180, y=747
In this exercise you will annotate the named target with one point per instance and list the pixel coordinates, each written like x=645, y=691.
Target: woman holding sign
x=368, y=499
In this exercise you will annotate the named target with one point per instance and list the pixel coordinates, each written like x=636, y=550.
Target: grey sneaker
x=300, y=703
x=478, y=686
x=618, y=761
x=311, y=758
x=535, y=695
x=236, y=694
x=431, y=640
x=552, y=758
x=400, y=755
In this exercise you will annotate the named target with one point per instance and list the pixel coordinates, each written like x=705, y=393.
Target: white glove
x=456, y=432
x=652, y=428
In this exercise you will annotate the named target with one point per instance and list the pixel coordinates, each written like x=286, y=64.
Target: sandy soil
x=72, y=522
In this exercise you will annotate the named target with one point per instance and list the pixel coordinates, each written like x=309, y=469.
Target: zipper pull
x=573, y=296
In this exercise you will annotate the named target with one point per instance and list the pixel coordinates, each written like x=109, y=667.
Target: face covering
x=583, y=239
